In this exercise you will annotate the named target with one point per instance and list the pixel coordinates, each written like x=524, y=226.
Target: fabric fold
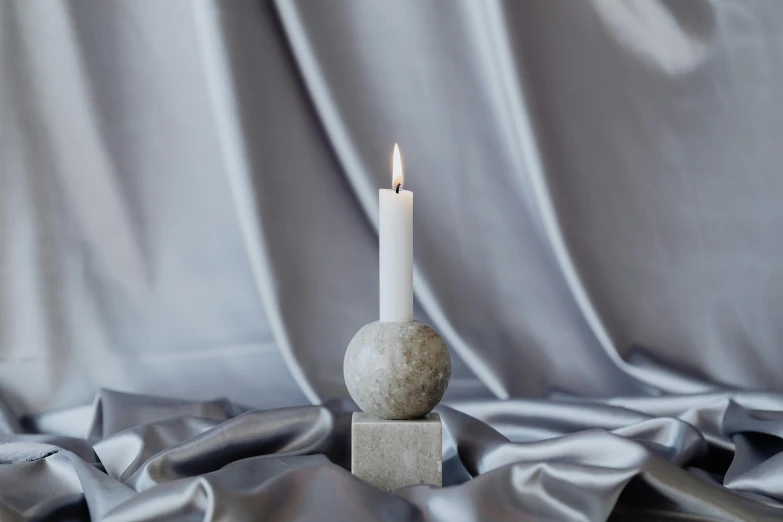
x=547, y=459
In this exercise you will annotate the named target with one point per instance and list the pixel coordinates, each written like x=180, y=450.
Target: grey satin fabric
x=538, y=459
x=188, y=205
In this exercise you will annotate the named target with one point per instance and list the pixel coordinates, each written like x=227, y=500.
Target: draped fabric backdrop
x=188, y=209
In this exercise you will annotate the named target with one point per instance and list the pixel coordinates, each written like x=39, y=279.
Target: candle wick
x=398, y=187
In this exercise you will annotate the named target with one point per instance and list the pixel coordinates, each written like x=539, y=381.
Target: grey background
x=188, y=193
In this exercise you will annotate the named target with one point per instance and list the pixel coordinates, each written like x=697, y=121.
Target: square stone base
x=390, y=454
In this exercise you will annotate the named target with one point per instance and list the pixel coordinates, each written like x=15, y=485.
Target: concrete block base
x=390, y=454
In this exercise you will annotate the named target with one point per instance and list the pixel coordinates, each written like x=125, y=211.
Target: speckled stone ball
x=397, y=370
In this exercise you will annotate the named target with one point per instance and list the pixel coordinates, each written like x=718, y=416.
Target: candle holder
x=397, y=372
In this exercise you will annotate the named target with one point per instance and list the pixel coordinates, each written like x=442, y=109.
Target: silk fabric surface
x=188, y=208
x=710, y=456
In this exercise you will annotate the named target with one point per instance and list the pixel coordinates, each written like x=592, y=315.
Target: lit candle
x=395, y=232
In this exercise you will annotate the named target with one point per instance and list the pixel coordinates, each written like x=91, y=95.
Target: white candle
x=395, y=232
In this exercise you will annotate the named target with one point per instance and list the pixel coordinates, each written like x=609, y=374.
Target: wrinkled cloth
x=188, y=208
x=712, y=456
x=189, y=190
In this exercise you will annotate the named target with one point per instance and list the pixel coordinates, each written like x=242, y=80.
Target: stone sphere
x=397, y=370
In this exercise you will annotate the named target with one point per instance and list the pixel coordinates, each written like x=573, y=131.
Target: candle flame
x=397, y=179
